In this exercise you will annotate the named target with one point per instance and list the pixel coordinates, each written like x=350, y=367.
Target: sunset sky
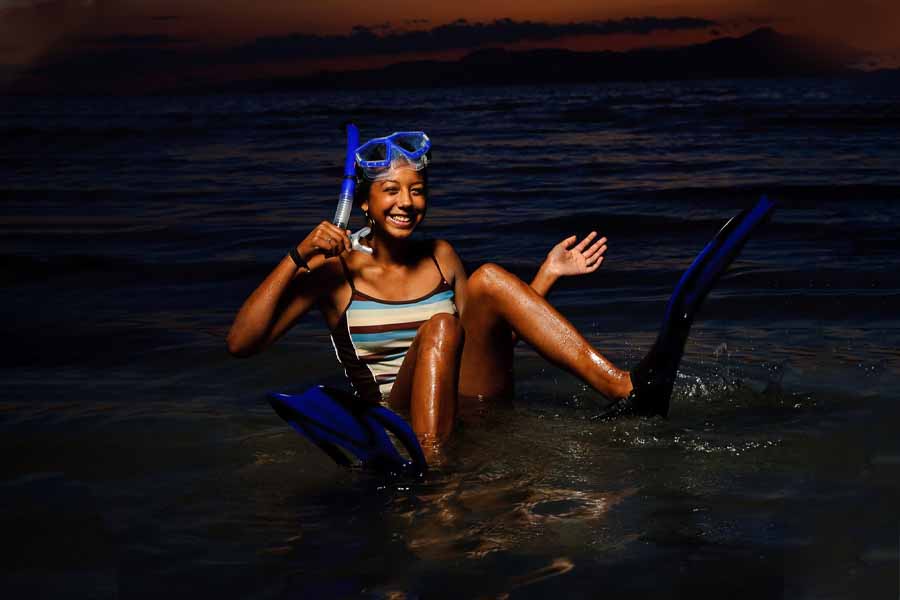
x=227, y=39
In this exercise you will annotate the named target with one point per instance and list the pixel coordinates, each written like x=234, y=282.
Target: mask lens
x=375, y=151
x=415, y=143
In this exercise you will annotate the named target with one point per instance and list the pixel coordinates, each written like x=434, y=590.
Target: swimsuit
x=372, y=336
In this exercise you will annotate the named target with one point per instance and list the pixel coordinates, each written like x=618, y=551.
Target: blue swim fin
x=329, y=418
x=654, y=377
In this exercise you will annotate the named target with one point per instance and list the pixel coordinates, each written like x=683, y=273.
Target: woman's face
x=397, y=204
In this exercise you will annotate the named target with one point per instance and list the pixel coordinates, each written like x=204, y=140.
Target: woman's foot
x=654, y=377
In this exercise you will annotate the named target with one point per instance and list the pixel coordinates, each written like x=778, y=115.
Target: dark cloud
x=22, y=4
x=166, y=17
x=367, y=40
x=125, y=61
x=7, y=72
x=134, y=40
x=385, y=27
x=109, y=61
x=43, y=6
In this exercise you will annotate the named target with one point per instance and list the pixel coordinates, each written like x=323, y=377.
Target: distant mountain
x=762, y=53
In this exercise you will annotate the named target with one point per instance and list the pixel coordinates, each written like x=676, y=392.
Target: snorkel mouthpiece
x=355, y=237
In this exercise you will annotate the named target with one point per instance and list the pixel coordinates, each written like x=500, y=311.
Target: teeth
x=402, y=219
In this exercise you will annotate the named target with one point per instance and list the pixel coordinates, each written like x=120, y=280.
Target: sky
x=162, y=41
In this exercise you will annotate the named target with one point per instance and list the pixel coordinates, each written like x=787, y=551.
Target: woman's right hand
x=326, y=239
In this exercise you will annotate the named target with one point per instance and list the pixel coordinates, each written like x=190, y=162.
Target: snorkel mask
x=379, y=156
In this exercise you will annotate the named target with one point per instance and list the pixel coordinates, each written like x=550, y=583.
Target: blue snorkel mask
x=378, y=156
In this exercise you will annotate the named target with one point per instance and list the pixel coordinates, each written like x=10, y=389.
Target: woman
x=411, y=327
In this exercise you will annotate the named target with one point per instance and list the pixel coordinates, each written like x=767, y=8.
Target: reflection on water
x=487, y=513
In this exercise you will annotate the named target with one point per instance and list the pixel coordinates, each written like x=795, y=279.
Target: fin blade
x=325, y=417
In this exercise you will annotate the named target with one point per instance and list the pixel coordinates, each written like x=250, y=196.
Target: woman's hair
x=363, y=186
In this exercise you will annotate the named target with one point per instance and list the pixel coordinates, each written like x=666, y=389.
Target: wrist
x=543, y=281
x=298, y=259
x=548, y=271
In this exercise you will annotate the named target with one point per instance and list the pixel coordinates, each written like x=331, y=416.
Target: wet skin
x=470, y=355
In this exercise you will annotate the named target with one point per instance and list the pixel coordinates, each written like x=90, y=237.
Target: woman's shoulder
x=446, y=256
x=442, y=248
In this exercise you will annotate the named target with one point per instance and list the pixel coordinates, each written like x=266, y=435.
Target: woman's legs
x=497, y=304
x=439, y=365
x=427, y=381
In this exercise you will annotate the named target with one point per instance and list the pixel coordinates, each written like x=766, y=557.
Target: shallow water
x=140, y=459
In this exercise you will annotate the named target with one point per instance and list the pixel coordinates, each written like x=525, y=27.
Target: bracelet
x=298, y=260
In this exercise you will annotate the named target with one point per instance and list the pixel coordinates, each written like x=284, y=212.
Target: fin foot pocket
x=654, y=376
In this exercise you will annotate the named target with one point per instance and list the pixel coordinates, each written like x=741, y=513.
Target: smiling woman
x=399, y=317
x=411, y=328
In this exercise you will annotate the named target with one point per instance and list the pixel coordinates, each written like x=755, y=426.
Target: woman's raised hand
x=326, y=239
x=569, y=258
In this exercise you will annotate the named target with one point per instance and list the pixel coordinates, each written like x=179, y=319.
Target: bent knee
x=487, y=278
x=442, y=329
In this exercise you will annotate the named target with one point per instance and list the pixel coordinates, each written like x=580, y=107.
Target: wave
x=651, y=113
x=17, y=269
x=662, y=226
x=847, y=195
x=648, y=274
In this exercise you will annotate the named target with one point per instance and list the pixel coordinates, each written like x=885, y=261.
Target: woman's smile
x=403, y=220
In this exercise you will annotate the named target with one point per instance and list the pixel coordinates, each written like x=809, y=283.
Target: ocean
x=140, y=459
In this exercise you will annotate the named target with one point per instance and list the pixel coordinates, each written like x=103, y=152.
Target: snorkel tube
x=348, y=186
x=345, y=200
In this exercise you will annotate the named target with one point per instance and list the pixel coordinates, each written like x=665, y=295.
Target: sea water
x=140, y=460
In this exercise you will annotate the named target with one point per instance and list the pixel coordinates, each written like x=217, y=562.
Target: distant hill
x=762, y=53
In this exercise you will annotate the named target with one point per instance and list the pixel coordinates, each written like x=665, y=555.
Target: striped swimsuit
x=372, y=336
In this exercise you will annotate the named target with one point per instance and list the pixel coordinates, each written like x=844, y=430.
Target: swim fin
x=654, y=376
x=329, y=418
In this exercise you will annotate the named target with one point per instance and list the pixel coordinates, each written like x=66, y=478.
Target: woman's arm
x=563, y=259
x=288, y=292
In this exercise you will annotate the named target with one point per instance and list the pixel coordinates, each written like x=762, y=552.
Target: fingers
x=330, y=240
x=338, y=238
x=593, y=266
x=566, y=243
x=597, y=249
x=587, y=240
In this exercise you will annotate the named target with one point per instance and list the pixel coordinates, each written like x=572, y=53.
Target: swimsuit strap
x=444, y=279
x=347, y=274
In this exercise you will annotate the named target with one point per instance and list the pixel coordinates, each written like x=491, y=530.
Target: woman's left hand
x=569, y=258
